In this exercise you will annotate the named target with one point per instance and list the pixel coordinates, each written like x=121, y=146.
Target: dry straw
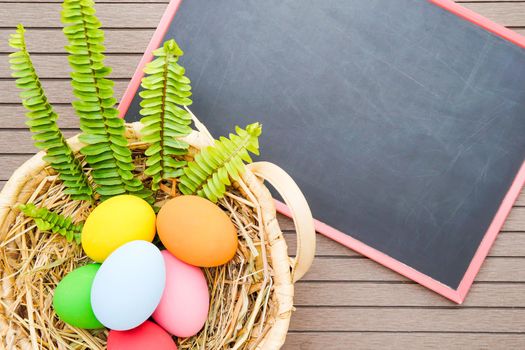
x=251, y=297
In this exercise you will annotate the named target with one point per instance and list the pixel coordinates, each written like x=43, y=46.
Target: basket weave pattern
x=251, y=297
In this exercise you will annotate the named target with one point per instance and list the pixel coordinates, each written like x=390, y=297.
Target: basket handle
x=299, y=210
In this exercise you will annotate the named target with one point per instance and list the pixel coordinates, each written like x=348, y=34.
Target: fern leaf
x=48, y=221
x=166, y=89
x=42, y=121
x=209, y=173
x=103, y=131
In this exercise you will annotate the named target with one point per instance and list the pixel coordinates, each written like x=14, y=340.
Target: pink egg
x=146, y=336
x=183, y=308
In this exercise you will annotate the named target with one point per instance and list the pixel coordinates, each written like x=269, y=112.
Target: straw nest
x=251, y=297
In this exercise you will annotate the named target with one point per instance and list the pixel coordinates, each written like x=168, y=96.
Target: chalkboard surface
x=403, y=124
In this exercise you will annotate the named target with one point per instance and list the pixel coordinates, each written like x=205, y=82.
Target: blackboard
x=403, y=123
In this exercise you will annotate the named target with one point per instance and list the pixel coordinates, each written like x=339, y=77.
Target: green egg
x=72, y=298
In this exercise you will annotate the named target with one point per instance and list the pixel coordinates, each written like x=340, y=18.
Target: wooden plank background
x=345, y=301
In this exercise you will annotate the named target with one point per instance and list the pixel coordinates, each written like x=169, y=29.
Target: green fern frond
x=48, y=221
x=210, y=172
x=42, y=121
x=103, y=131
x=166, y=89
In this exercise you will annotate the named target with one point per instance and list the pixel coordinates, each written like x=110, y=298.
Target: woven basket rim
x=15, y=192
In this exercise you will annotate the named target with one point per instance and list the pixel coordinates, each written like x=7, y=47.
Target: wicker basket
x=31, y=265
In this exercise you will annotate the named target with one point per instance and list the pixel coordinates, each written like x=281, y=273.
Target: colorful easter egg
x=183, y=308
x=116, y=221
x=197, y=231
x=72, y=298
x=146, y=336
x=128, y=286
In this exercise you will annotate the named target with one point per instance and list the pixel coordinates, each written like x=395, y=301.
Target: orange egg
x=197, y=231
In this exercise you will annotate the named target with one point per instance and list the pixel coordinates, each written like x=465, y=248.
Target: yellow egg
x=118, y=220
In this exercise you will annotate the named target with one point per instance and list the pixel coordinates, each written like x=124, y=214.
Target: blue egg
x=128, y=286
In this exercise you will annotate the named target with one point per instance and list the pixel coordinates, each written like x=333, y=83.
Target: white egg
x=128, y=286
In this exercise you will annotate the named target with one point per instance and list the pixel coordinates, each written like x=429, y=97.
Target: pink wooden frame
x=456, y=295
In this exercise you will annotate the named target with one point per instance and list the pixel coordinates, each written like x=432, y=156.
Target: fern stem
x=97, y=89
x=209, y=173
x=163, y=112
x=165, y=91
x=42, y=121
x=103, y=131
x=47, y=220
x=239, y=147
